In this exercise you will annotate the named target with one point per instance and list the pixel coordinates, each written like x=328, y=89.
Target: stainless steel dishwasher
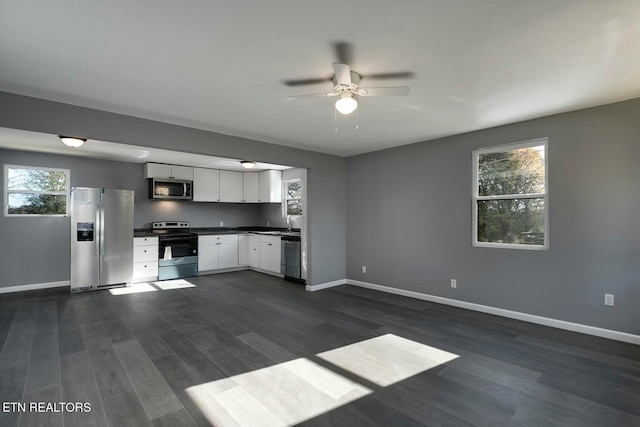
x=291, y=257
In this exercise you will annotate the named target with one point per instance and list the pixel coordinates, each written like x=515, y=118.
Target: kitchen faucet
x=289, y=223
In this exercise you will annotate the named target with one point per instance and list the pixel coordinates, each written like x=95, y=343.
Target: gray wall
x=409, y=220
x=326, y=174
x=47, y=240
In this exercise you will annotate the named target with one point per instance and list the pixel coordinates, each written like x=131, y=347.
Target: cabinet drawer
x=145, y=241
x=145, y=269
x=145, y=253
x=218, y=238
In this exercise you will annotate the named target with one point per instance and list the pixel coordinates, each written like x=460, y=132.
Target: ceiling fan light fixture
x=346, y=104
x=72, y=141
x=247, y=164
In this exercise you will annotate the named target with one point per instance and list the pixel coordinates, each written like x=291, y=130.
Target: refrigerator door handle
x=97, y=234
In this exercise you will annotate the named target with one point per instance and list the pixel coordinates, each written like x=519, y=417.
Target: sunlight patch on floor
x=387, y=359
x=298, y=390
x=279, y=395
x=164, y=285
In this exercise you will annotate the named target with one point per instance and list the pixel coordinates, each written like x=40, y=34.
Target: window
x=35, y=191
x=293, y=197
x=510, y=202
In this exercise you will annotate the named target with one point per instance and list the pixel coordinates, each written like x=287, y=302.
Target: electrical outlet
x=268, y=223
x=221, y=223
x=608, y=299
x=364, y=269
x=454, y=283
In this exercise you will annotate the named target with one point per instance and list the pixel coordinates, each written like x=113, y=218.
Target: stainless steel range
x=177, y=250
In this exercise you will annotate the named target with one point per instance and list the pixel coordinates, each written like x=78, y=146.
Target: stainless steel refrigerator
x=101, y=238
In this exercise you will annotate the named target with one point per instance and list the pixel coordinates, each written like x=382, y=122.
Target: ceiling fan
x=346, y=84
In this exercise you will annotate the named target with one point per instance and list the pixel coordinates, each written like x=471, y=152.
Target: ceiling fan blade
x=398, y=75
x=313, y=95
x=344, y=52
x=385, y=91
x=304, y=82
x=343, y=74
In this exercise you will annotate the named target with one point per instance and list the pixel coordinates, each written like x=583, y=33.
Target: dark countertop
x=204, y=231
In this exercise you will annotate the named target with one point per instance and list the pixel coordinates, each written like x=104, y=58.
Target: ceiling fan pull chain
x=335, y=120
x=357, y=120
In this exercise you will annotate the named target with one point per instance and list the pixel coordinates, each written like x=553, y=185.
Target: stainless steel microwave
x=170, y=189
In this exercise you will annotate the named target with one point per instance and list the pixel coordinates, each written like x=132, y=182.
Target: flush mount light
x=247, y=164
x=72, y=141
x=346, y=104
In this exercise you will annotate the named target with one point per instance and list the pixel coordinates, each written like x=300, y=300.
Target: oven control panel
x=163, y=225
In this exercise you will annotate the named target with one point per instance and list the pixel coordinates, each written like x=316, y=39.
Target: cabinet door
x=270, y=186
x=243, y=249
x=228, y=252
x=231, y=186
x=206, y=185
x=254, y=251
x=208, y=253
x=157, y=170
x=182, y=172
x=276, y=257
x=250, y=187
x=265, y=255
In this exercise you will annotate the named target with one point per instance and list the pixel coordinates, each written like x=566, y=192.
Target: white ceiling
x=220, y=65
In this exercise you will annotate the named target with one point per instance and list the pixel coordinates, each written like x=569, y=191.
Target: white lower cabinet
x=249, y=250
x=254, y=250
x=145, y=259
x=270, y=253
x=217, y=252
x=243, y=249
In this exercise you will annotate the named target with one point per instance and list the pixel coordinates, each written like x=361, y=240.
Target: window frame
x=476, y=197
x=285, y=191
x=7, y=191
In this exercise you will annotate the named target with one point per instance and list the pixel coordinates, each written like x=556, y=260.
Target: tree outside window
x=293, y=197
x=510, y=196
x=36, y=191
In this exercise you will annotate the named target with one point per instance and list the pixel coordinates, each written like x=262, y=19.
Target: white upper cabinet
x=159, y=170
x=206, y=185
x=250, y=187
x=231, y=186
x=270, y=186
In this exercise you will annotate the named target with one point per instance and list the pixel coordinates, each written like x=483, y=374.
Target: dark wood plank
x=42, y=418
x=153, y=391
x=69, y=333
x=179, y=418
x=180, y=378
x=79, y=385
x=119, y=400
x=44, y=360
x=11, y=390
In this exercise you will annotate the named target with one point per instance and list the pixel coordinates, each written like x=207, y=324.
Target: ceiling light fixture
x=247, y=164
x=72, y=141
x=346, y=104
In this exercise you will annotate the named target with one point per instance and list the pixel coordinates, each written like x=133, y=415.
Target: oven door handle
x=173, y=239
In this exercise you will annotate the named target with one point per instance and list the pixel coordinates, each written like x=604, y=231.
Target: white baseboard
x=547, y=321
x=34, y=286
x=326, y=285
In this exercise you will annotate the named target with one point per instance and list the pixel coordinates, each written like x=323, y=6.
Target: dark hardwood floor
x=135, y=358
